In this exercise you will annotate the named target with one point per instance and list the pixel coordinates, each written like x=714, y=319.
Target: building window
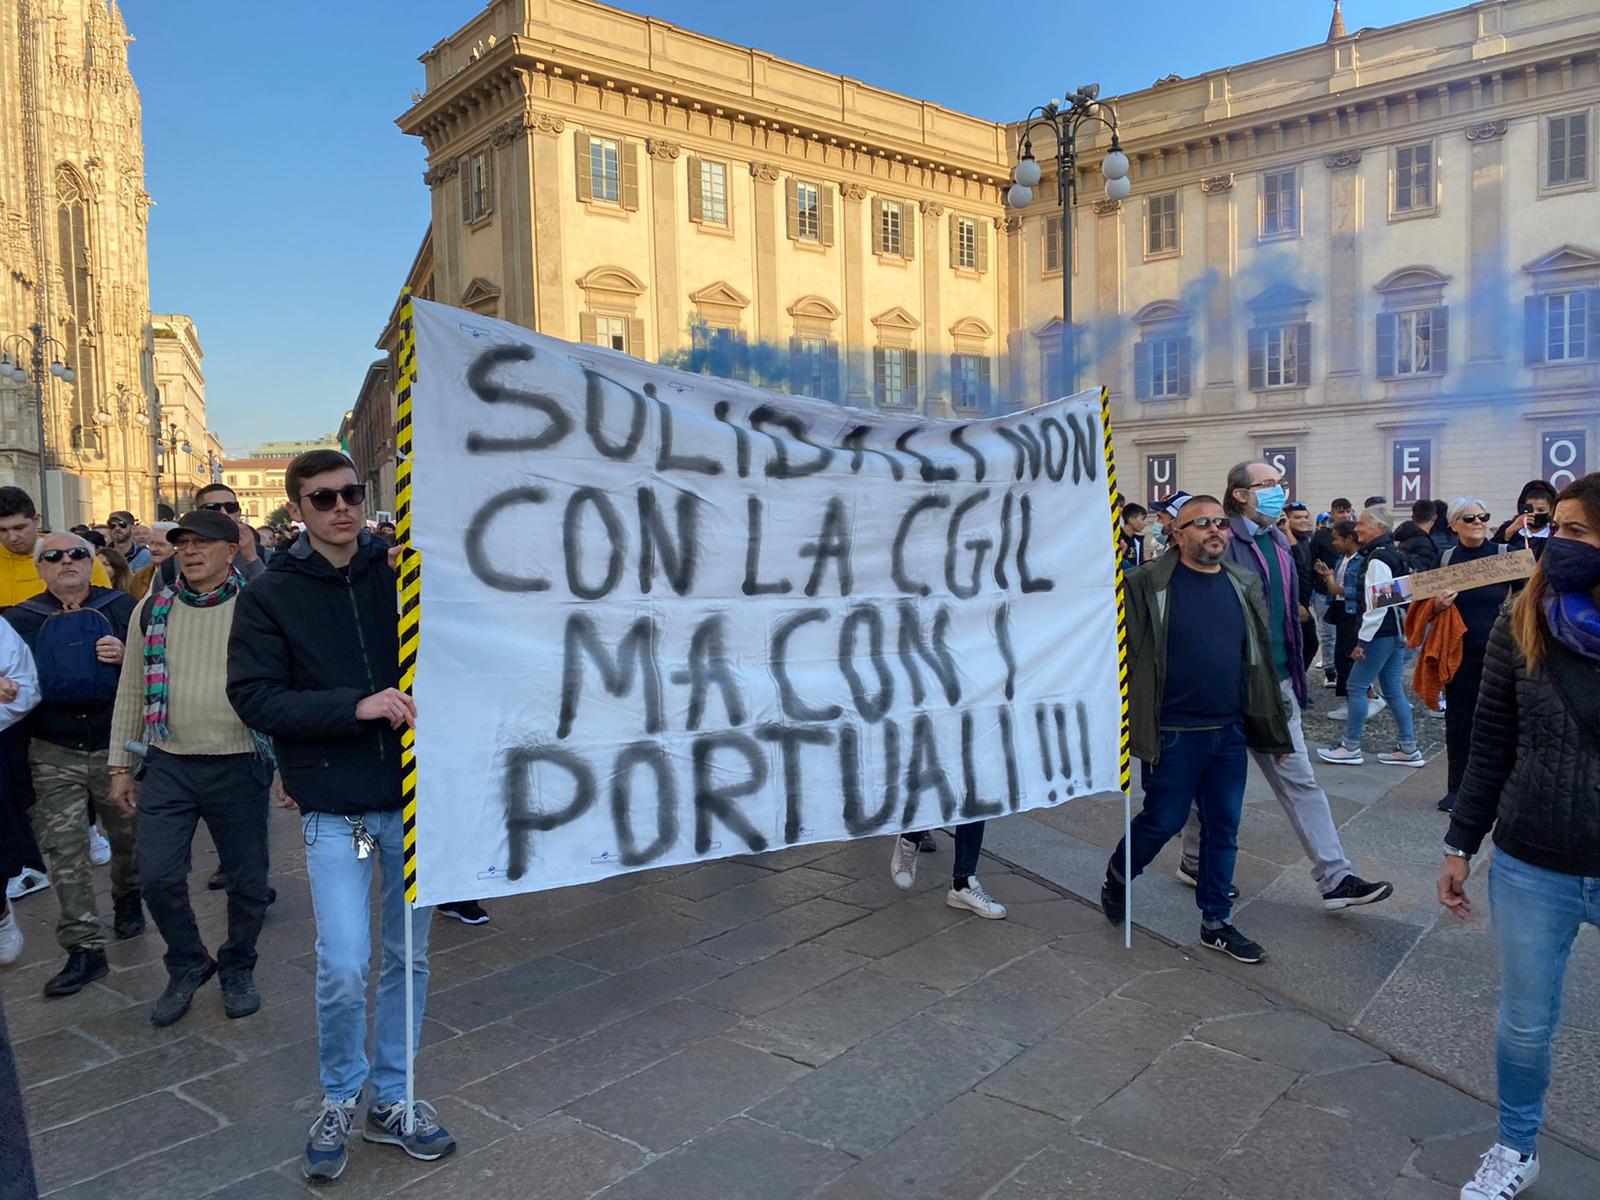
x=1280, y=203
x=1413, y=343
x=713, y=191
x=1161, y=367
x=1413, y=178
x=605, y=170
x=1566, y=320
x=889, y=217
x=611, y=332
x=476, y=184
x=1280, y=356
x=895, y=376
x=1052, y=375
x=720, y=351
x=255, y=481
x=1161, y=224
x=1052, y=244
x=77, y=277
x=1566, y=150
x=970, y=382
x=810, y=212
x=808, y=207
x=966, y=243
x=814, y=367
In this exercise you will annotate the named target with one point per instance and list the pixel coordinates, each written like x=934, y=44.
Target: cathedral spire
x=1336, y=29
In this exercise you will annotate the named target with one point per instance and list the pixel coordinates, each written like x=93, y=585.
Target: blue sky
x=288, y=206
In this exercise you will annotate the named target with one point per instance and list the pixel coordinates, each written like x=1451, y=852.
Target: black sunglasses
x=117, y=525
x=1220, y=524
x=228, y=506
x=1481, y=517
x=76, y=554
x=323, y=499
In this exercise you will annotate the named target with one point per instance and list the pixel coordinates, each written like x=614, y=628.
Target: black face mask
x=1571, y=567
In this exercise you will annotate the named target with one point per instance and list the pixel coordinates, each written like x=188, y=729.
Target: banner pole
x=409, y=607
x=1124, y=756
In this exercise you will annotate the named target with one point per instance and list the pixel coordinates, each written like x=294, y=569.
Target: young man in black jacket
x=313, y=662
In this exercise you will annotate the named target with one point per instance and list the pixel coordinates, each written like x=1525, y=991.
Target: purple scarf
x=1574, y=622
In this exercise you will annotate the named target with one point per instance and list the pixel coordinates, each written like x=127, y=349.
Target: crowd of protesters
x=154, y=678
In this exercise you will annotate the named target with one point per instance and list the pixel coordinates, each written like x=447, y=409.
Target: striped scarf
x=155, y=645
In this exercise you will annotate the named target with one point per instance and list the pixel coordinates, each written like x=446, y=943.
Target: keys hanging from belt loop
x=361, y=841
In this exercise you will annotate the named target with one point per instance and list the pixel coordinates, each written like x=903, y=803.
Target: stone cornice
x=434, y=176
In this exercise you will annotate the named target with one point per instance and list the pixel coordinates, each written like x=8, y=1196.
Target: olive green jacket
x=1266, y=715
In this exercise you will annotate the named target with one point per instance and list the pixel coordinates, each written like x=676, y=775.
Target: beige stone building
x=189, y=455
x=1375, y=259
x=258, y=483
x=73, y=263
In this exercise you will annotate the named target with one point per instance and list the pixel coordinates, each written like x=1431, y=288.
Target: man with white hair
x=76, y=633
x=1379, y=654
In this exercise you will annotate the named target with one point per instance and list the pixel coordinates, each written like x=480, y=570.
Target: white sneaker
x=25, y=883
x=903, y=863
x=1339, y=712
x=1375, y=705
x=975, y=899
x=10, y=939
x=99, y=848
x=1504, y=1174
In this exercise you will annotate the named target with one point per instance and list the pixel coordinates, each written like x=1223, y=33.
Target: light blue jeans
x=341, y=894
x=1537, y=915
x=1385, y=663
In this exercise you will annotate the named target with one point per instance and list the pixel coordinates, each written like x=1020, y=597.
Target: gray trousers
x=1304, y=803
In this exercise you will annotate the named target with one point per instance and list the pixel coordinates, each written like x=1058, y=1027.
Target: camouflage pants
x=63, y=780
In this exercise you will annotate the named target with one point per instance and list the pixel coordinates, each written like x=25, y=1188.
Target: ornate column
x=857, y=354
x=446, y=224
x=665, y=283
x=1486, y=249
x=513, y=183
x=935, y=363
x=1220, y=392
x=1011, y=327
x=550, y=309
x=1344, y=306
x=769, y=226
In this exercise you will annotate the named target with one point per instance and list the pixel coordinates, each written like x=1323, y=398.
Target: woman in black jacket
x=1534, y=778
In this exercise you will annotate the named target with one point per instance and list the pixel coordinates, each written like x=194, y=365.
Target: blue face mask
x=1270, y=501
x=1571, y=566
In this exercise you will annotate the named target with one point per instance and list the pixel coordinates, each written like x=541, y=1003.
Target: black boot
x=83, y=968
x=128, y=921
x=218, y=880
x=175, y=1001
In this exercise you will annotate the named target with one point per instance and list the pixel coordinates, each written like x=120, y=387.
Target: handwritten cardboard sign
x=1480, y=572
x=668, y=618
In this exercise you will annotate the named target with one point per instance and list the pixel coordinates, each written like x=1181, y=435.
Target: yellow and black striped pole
x=1124, y=754
x=410, y=585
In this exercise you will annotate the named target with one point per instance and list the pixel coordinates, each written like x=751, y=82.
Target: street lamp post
x=12, y=352
x=1064, y=120
x=128, y=410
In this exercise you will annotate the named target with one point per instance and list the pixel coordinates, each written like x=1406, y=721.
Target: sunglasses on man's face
x=117, y=525
x=1218, y=523
x=231, y=507
x=76, y=554
x=323, y=499
x=1482, y=518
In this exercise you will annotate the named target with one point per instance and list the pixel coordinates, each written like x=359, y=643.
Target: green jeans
x=64, y=780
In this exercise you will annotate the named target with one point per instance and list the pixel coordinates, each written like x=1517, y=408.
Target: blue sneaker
x=325, y=1152
x=427, y=1140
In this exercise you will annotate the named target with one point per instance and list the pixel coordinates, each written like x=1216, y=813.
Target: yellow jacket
x=19, y=577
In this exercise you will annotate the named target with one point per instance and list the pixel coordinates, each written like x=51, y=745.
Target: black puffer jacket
x=1534, y=774
x=309, y=642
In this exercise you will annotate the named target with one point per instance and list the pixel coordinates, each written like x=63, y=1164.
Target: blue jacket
x=1242, y=551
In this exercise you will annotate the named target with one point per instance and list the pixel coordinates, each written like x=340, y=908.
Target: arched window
x=72, y=248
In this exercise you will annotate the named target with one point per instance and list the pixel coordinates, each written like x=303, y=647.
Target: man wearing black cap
x=200, y=763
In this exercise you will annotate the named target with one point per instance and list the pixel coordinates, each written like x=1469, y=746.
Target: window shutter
x=1440, y=339
x=586, y=328
x=488, y=181
x=955, y=241
x=908, y=232
x=830, y=371
x=1141, y=370
x=877, y=373
x=791, y=207
x=697, y=200
x=741, y=356
x=877, y=225
x=464, y=170
x=629, y=152
x=1387, y=323
x=1533, y=329
x=580, y=149
x=980, y=236
x=1302, y=366
x=1258, y=359
x=911, y=377
x=796, y=366
x=955, y=374
x=1184, y=344
x=636, y=336
x=1592, y=346
x=825, y=214
x=985, y=384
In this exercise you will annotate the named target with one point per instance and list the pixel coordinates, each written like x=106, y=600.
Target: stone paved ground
x=787, y=1026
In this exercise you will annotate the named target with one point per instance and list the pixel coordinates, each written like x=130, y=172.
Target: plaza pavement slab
x=792, y=1025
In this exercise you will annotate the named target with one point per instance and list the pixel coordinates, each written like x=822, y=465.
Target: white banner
x=668, y=617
